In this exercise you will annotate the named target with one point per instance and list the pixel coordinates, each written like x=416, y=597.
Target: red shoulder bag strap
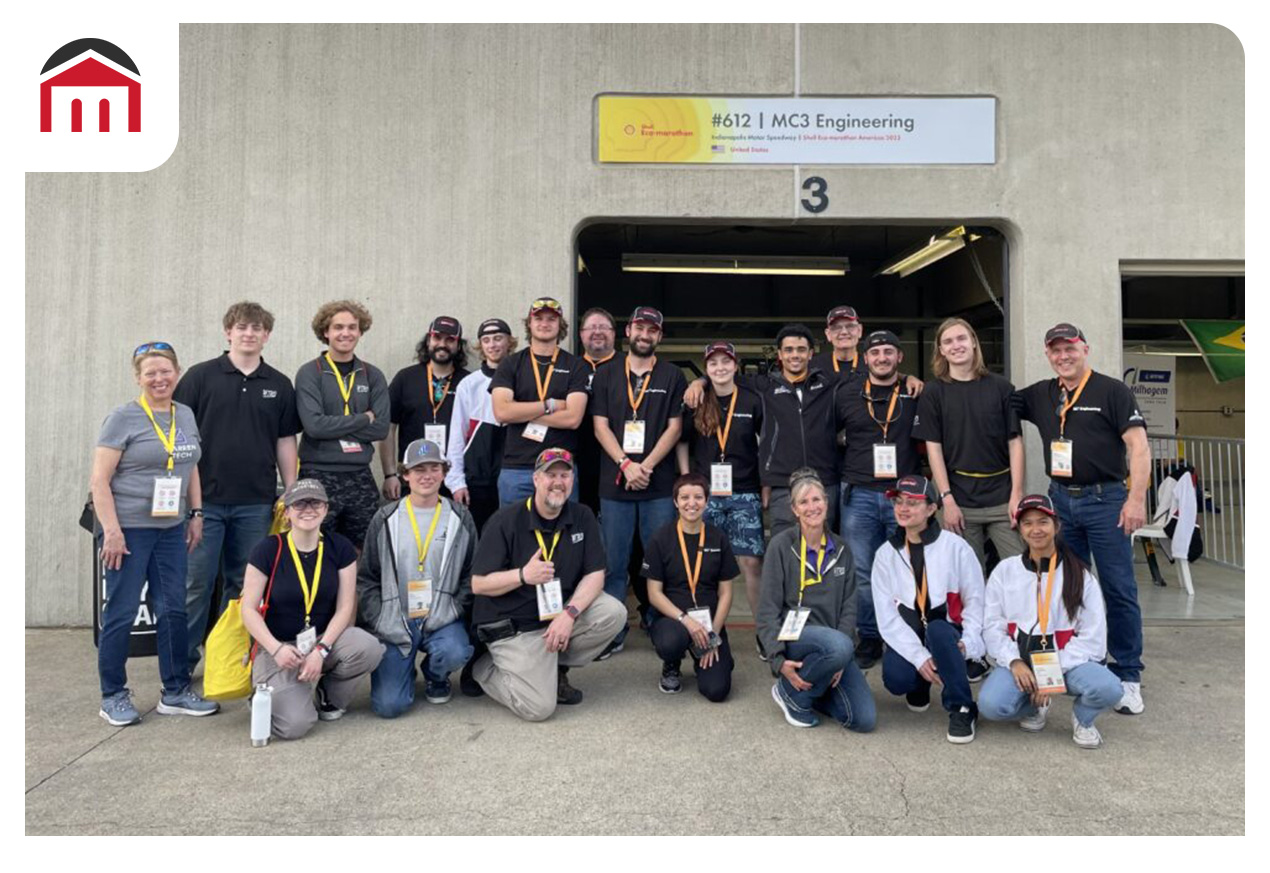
x=264, y=607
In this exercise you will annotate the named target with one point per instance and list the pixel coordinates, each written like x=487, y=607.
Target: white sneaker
x=1085, y=737
x=1131, y=701
x=1035, y=723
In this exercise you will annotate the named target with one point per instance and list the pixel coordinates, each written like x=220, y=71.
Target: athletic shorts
x=740, y=517
x=353, y=500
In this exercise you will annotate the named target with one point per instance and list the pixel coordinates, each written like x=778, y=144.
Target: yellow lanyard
x=820, y=573
x=595, y=365
x=921, y=590
x=542, y=544
x=630, y=395
x=722, y=435
x=895, y=396
x=1043, y=604
x=855, y=359
x=1071, y=401
x=309, y=595
x=421, y=544
x=543, y=384
x=169, y=441
x=344, y=392
x=436, y=407
x=693, y=575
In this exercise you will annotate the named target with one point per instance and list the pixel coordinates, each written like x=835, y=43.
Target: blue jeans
x=517, y=483
x=617, y=520
x=392, y=684
x=1095, y=688
x=156, y=556
x=1089, y=526
x=867, y=522
x=901, y=677
x=230, y=532
x=824, y=651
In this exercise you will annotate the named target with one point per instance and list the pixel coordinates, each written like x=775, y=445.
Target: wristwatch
x=947, y=493
x=323, y=649
x=194, y=512
x=572, y=610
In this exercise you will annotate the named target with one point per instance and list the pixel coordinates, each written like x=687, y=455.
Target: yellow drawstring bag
x=230, y=650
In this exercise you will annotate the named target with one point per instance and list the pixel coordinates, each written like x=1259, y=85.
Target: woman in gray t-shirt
x=146, y=494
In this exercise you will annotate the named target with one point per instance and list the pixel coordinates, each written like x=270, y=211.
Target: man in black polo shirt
x=247, y=424
x=539, y=393
x=538, y=577
x=879, y=413
x=1087, y=422
x=421, y=396
x=637, y=410
x=599, y=338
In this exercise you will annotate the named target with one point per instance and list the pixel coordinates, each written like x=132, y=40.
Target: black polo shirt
x=508, y=542
x=663, y=561
x=410, y=398
x=663, y=398
x=973, y=424
x=862, y=432
x=742, y=444
x=516, y=372
x=588, y=455
x=845, y=371
x=1095, y=425
x=240, y=420
x=285, y=615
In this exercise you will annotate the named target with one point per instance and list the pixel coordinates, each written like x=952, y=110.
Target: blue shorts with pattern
x=740, y=517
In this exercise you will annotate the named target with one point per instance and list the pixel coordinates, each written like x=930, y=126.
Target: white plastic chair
x=1156, y=532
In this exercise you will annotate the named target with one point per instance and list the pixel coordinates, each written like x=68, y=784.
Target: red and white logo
x=90, y=85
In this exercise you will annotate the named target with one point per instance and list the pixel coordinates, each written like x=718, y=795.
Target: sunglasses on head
x=545, y=303
x=552, y=455
x=152, y=347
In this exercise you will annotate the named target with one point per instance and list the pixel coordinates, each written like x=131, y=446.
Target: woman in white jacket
x=928, y=596
x=1045, y=626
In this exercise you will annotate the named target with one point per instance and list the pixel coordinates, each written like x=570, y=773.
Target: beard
x=642, y=348
x=556, y=499
x=440, y=355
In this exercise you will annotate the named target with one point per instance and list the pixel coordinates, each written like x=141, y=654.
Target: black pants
x=482, y=500
x=671, y=639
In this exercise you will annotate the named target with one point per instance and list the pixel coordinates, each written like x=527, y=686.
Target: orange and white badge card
x=1061, y=458
x=1048, y=672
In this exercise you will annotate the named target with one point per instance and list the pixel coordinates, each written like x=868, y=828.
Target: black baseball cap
x=720, y=346
x=1037, y=501
x=881, y=338
x=839, y=312
x=1065, y=332
x=648, y=315
x=491, y=326
x=447, y=325
x=914, y=486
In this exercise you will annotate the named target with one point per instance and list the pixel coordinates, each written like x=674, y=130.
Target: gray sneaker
x=118, y=709
x=186, y=703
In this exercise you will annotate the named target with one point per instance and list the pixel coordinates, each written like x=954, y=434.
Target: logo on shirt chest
x=363, y=389
x=268, y=393
x=577, y=538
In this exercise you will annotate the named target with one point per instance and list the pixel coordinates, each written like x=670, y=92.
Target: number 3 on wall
x=818, y=188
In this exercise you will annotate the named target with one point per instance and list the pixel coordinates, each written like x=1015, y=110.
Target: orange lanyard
x=895, y=396
x=921, y=589
x=630, y=395
x=538, y=380
x=595, y=365
x=1043, y=604
x=855, y=358
x=436, y=407
x=693, y=575
x=722, y=435
x=1062, y=414
x=791, y=380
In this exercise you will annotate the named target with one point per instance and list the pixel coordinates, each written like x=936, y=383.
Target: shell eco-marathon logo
x=83, y=82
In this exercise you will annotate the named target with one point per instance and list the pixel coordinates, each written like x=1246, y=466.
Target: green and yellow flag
x=1222, y=345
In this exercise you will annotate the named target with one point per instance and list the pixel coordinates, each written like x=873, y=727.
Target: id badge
x=550, y=599
x=1048, y=672
x=633, y=437
x=167, y=497
x=720, y=480
x=435, y=433
x=419, y=597
x=1061, y=458
x=535, y=431
x=350, y=447
x=306, y=640
x=795, y=621
x=701, y=616
x=885, y=461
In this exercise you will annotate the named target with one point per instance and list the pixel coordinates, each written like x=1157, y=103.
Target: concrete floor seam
x=95, y=746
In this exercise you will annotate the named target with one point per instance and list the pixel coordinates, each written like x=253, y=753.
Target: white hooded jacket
x=1011, y=607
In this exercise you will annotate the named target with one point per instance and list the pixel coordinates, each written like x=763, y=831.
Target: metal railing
x=1219, y=480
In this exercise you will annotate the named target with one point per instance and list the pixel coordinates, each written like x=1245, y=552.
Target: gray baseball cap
x=423, y=452
x=304, y=489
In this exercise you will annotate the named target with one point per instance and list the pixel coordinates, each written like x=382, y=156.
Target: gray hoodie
x=321, y=408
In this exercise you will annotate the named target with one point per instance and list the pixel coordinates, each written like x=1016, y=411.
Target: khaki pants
x=520, y=673
x=354, y=654
x=994, y=522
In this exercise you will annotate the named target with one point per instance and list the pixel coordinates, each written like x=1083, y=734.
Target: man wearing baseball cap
x=540, y=604
x=476, y=437
x=1088, y=422
x=637, y=410
x=414, y=584
x=599, y=340
x=841, y=357
x=422, y=395
x=540, y=394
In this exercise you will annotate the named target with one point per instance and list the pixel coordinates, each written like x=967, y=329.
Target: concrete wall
x=424, y=168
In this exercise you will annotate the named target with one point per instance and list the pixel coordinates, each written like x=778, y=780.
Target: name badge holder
x=701, y=616
x=435, y=433
x=535, y=431
x=306, y=640
x=167, y=497
x=350, y=447
x=720, y=480
x=550, y=599
x=796, y=618
x=419, y=597
x=308, y=637
x=1062, y=458
x=1047, y=670
x=885, y=461
x=633, y=431
x=633, y=437
x=795, y=621
x=418, y=587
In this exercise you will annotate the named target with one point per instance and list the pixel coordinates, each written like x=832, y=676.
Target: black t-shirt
x=862, y=432
x=662, y=400
x=516, y=372
x=742, y=445
x=411, y=401
x=973, y=424
x=845, y=371
x=663, y=561
x=508, y=542
x=240, y=420
x=285, y=616
x=589, y=451
x=1095, y=425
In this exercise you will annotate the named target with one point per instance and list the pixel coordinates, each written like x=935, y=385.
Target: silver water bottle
x=261, y=715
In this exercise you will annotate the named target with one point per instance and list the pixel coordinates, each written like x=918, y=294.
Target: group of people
x=482, y=553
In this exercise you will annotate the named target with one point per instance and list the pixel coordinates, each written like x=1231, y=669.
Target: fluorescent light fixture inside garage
x=940, y=246
x=749, y=265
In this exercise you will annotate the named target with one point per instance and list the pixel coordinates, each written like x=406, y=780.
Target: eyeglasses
x=152, y=347
x=603, y=328
x=842, y=326
x=308, y=505
x=545, y=303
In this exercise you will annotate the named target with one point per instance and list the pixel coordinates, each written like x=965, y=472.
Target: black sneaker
x=671, y=680
x=961, y=725
x=918, y=701
x=467, y=684
x=977, y=668
x=566, y=694
x=326, y=710
x=868, y=653
x=610, y=650
x=762, y=655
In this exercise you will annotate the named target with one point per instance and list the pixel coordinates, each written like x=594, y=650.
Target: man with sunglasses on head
x=599, y=338
x=540, y=394
x=421, y=395
x=247, y=422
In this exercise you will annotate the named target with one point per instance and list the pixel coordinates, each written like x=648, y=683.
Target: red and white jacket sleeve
x=1003, y=648
x=892, y=580
x=460, y=412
